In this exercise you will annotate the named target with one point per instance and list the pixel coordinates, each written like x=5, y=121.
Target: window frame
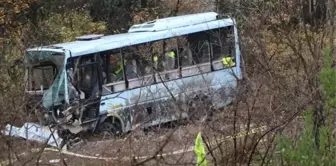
x=231, y=46
x=177, y=49
x=31, y=72
x=77, y=65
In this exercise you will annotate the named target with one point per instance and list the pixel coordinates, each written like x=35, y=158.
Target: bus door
x=87, y=80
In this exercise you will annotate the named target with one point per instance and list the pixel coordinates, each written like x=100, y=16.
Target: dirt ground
x=171, y=146
x=175, y=145
x=119, y=150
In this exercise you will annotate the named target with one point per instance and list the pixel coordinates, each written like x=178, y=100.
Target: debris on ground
x=34, y=132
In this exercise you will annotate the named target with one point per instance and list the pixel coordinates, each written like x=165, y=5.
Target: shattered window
x=42, y=77
x=139, y=60
x=185, y=52
x=200, y=49
x=42, y=67
x=223, y=45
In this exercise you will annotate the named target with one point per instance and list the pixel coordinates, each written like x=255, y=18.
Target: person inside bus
x=116, y=68
x=130, y=66
x=156, y=62
x=169, y=58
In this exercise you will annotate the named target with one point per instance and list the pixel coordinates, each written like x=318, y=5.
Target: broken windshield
x=44, y=71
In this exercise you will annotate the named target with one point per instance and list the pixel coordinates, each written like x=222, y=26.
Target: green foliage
x=116, y=13
x=62, y=28
x=120, y=15
x=11, y=10
x=328, y=81
x=303, y=151
x=73, y=24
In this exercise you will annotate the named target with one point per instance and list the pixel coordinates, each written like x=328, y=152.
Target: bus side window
x=114, y=73
x=87, y=76
x=145, y=68
x=222, y=42
x=138, y=61
x=199, y=48
x=185, y=55
x=169, y=60
x=138, y=66
x=157, y=53
x=130, y=65
x=143, y=56
x=201, y=52
x=198, y=55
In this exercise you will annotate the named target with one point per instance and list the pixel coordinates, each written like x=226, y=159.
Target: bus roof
x=99, y=44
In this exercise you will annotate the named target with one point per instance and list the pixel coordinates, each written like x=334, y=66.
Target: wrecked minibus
x=153, y=74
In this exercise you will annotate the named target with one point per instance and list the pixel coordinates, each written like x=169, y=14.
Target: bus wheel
x=199, y=108
x=111, y=128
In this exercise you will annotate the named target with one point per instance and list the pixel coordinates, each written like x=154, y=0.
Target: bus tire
x=111, y=127
x=199, y=107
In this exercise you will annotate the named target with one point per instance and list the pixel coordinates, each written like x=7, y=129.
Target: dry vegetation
x=282, y=60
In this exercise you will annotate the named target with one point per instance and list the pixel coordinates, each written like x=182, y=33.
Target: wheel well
x=114, y=119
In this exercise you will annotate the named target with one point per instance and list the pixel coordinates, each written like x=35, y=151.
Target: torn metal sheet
x=34, y=132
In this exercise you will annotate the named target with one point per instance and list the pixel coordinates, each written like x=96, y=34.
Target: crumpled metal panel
x=34, y=132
